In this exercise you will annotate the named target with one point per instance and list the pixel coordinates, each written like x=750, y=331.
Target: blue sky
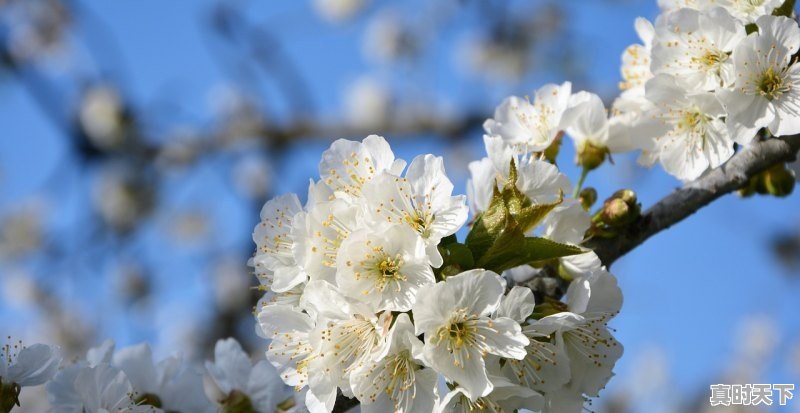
x=686, y=290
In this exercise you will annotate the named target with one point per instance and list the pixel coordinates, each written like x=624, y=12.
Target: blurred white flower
x=252, y=176
x=18, y=288
x=494, y=60
x=239, y=381
x=189, y=227
x=231, y=284
x=93, y=389
x=27, y=366
x=367, y=104
x=121, y=197
x=336, y=11
x=170, y=385
x=22, y=229
x=102, y=117
x=387, y=38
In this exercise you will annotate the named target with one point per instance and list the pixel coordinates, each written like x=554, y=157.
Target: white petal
x=517, y=305
x=503, y=337
x=137, y=363
x=264, y=389
x=231, y=366
x=34, y=365
x=471, y=376
x=596, y=292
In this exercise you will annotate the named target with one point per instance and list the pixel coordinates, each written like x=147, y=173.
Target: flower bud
x=621, y=208
x=551, y=153
x=588, y=197
x=749, y=189
x=590, y=156
x=615, y=212
x=237, y=402
x=779, y=181
x=627, y=195
x=548, y=307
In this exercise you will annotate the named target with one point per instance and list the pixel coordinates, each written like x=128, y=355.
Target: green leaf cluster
x=497, y=240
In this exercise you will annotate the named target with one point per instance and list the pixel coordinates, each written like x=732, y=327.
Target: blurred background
x=139, y=139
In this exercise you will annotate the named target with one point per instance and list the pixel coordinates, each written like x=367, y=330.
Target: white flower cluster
x=364, y=301
x=370, y=293
x=710, y=73
x=129, y=381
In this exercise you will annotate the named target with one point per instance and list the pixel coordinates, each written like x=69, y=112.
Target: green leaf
x=508, y=207
x=532, y=215
x=488, y=225
x=512, y=249
x=785, y=9
x=450, y=239
x=456, y=258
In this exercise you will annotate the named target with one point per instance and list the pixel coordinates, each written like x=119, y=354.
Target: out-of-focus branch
x=687, y=200
x=429, y=124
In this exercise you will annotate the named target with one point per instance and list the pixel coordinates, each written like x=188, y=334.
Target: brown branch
x=687, y=200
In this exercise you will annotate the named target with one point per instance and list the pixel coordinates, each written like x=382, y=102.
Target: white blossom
x=290, y=349
x=531, y=126
x=505, y=397
x=28, y=366
x=397, y=379
x=275, y=243
x=582, y=332
x=93, y=389
x=767, y=90
x=695, y=47
x=545, y=367
x=540, y=181
x=384, y=269
x=459, y=332
x=347, y=165
x=635, y=68
x=346, y=335
x=422, y=200
x=690, y=135
x=319, y=233
x=172, y=384
x=586, y=122
x=235, y=375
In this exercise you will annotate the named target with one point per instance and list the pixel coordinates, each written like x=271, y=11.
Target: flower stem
x=579, y=186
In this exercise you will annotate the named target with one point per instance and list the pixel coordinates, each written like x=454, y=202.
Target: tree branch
x=691, y=197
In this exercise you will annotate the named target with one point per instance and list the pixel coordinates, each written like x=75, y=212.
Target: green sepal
x=784, y=10
x=512, y=249
x=9, y=396
x=550, y=306
x=456, y=258
x=509, y=208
